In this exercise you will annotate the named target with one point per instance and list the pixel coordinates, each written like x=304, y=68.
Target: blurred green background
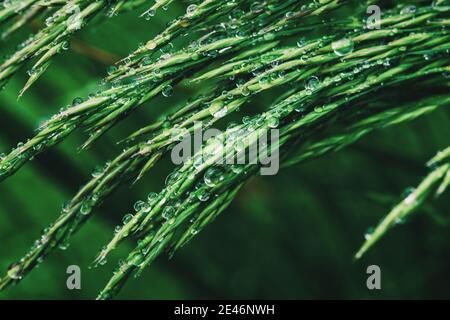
x=285, y=237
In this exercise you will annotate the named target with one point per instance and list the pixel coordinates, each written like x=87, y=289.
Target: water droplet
x=149, y=14
x=111, y=70
x=65, y=45
x=15, y=271
x=191, y=9
x=213, y=176
x=167, y=91
x=85, y=208
x=127, y=218
x=217, y=110
x=203, y=195
x=342, y=47
x=152, y=197
x=318, y=109
x=168, y=212
x=237, y=168
x=139, y=205
x=369, y=233
x=198, y=161
x=63, y=245
x=312, y=83
x=409, y=196
x=172, y=178
x=409, y=9
x=273, y=122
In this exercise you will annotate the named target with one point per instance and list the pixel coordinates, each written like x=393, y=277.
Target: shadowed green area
x=289, y=236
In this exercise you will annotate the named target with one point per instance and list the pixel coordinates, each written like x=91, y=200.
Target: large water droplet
x=152, y=197
x=168, y=212
x=139, y=205
x=213, y=176
x=191, y=9
x=343, y=46
x=312, y=83
x=167, y=91
x=127, y=218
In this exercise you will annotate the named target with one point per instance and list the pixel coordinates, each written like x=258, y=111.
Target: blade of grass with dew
x=160, y=233
x=435, y=183
x=101, y=111
x=54, y=37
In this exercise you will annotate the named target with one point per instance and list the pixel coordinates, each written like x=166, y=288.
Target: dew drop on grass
x=15, y=271
x=273, y=122
x=77, y=101
x=409, y=196
x=151, y=45
x=342, y=47
x=203, y=195
x=237, y=168
x=172, y=178
x=301, y=42
x=213, y=176
x=312, y=83
x=409, y=9
x=245, y=91
x=152, y=197
x=218, y=111
x=139, y=205
x=65, y=45
x=369, y=233
x=63, y=245
x=111, y=70
x=257, y=6
x=168, y=212
x=191, y=9
x=399, y=220
x=127, y=218
x=149, y=14
x=198, y=161
x=318, y=109
x=167, y=91
x=85, y=209
x=269, y=36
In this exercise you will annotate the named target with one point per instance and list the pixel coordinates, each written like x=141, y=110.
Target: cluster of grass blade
x=146, y=77
x=326, y=84
x=203, y=186
x=61, y=20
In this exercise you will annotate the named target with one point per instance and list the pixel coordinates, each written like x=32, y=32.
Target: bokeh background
x=291, y=236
